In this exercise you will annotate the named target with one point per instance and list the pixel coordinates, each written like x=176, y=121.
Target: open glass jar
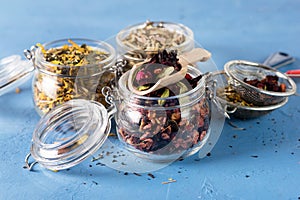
x=70, y=69
x=137, y=42
x=163, y=129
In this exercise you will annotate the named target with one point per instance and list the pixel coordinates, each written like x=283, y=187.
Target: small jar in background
x=71, y=69
x=136, y=43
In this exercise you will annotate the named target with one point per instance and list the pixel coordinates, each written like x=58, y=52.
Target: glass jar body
x=137, y=42
x=54, y=84
x=178, y=128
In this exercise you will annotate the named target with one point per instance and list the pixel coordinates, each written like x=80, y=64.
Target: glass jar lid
x=70, y=133
x=13, y=72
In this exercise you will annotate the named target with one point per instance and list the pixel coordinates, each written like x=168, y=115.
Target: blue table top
x=260, y=162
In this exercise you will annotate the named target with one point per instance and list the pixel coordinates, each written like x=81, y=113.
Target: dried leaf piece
x=164, y=95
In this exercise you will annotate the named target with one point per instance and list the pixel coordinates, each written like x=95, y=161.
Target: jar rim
x=183, y=28
x=106, y=47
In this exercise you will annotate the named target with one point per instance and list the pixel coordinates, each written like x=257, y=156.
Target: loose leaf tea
x=177, y=124
x=67, y=74
x=269, y=83
x=232, y=96
x=161, y=65
x=73, y=55
x=153, y=37
x=145, y=40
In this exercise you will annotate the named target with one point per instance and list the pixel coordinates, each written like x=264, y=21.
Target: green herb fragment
x=183, y=87
x=164, y=95
x=143, y=87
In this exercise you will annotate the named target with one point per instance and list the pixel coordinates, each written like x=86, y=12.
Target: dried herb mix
x=172, y=130
x=232, y=96
x=269, y=83
x=146, y=40
x=70, y=73
x=153, y=37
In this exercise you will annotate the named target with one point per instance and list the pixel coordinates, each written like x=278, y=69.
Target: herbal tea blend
x=153, y=37
x=71, y=70
x=141, y=41
x=269, y=83
x=167, y=121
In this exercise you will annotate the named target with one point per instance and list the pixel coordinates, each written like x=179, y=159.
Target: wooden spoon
x=195, y=55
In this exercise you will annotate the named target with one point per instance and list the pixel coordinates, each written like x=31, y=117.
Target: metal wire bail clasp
x=109, y=98
x=212, y=93
x=30, y=54
x=118, y=70
x=28, y=165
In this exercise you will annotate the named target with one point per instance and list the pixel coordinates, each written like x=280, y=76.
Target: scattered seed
x=95, y=182
x=170, y=180
x=100, y=156
x=137, y=174
x=18, y=90
x=112, y=134
x=151, y=175
x=101, y=164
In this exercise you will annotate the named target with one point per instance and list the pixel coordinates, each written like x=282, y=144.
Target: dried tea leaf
x=183, y=87
x=164, y=95
x=143, y=87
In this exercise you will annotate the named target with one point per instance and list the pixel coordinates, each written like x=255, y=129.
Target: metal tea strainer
x=238, y=70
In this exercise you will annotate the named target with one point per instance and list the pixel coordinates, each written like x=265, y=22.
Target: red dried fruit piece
x=282, y=87
x=269, y=83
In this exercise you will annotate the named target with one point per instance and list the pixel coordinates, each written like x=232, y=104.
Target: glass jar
x=55, y=82
x=139, y=41
x=158, y=131
x=77, y=129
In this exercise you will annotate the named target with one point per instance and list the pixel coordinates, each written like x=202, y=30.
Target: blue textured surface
x=261, y=162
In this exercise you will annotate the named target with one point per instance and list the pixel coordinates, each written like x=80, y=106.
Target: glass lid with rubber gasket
x=13, y=72
x=69, y=134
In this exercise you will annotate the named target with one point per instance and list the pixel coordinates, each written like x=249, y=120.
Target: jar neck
x=186, y=99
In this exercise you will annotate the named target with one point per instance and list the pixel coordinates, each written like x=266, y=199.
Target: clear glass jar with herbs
x=71, y=69
x=167, y=127
x=137, y=42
